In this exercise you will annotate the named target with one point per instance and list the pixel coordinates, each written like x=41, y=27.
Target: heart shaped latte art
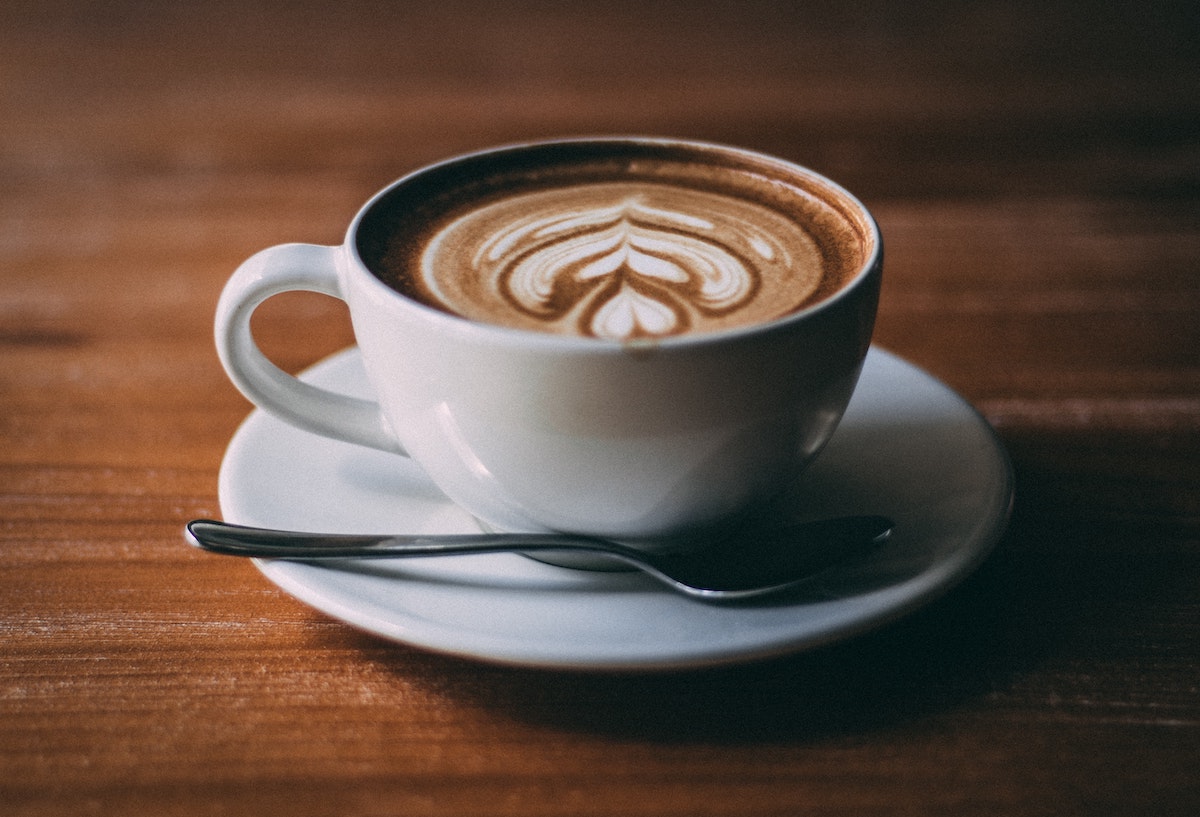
x=629, y=270
x=620, y=262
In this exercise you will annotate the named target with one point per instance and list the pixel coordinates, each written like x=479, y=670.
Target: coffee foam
x=621, y=261
x=614, y=245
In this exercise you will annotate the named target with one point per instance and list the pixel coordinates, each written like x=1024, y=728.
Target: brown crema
x=620, y=240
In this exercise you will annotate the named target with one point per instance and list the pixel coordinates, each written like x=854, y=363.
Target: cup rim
x=499, y=333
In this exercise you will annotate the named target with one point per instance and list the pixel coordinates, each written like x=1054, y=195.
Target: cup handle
x=311, y=268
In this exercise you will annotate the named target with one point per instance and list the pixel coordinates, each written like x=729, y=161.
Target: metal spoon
x=731, y=568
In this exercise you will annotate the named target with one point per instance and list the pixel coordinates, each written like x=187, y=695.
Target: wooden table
x=1035, y=169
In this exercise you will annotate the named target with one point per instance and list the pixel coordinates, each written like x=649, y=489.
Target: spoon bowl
x=728, y=569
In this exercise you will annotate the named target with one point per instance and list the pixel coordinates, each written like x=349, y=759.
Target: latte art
x=626, y=271
x=622, y=261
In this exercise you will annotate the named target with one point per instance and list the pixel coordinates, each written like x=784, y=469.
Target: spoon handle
x=242, y=540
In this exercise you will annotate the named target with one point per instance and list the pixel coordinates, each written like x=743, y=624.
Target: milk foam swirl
x=651, y=267
x=622, y=261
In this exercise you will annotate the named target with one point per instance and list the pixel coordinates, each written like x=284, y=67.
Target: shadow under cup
x=649, y=440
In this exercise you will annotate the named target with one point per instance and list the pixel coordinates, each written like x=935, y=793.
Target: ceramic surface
x=908, y=447
x=647, y=440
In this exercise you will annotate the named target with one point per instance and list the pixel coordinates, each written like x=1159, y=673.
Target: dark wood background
x=1035, y=169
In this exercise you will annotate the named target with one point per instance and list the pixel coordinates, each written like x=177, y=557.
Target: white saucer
x=908, y=447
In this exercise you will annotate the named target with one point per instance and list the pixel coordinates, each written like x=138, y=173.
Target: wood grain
x=1035, y=168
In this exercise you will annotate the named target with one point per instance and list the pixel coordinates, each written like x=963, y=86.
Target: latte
x=591, y=241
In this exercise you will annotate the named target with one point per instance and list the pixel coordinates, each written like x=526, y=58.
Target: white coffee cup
x=531, y=431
